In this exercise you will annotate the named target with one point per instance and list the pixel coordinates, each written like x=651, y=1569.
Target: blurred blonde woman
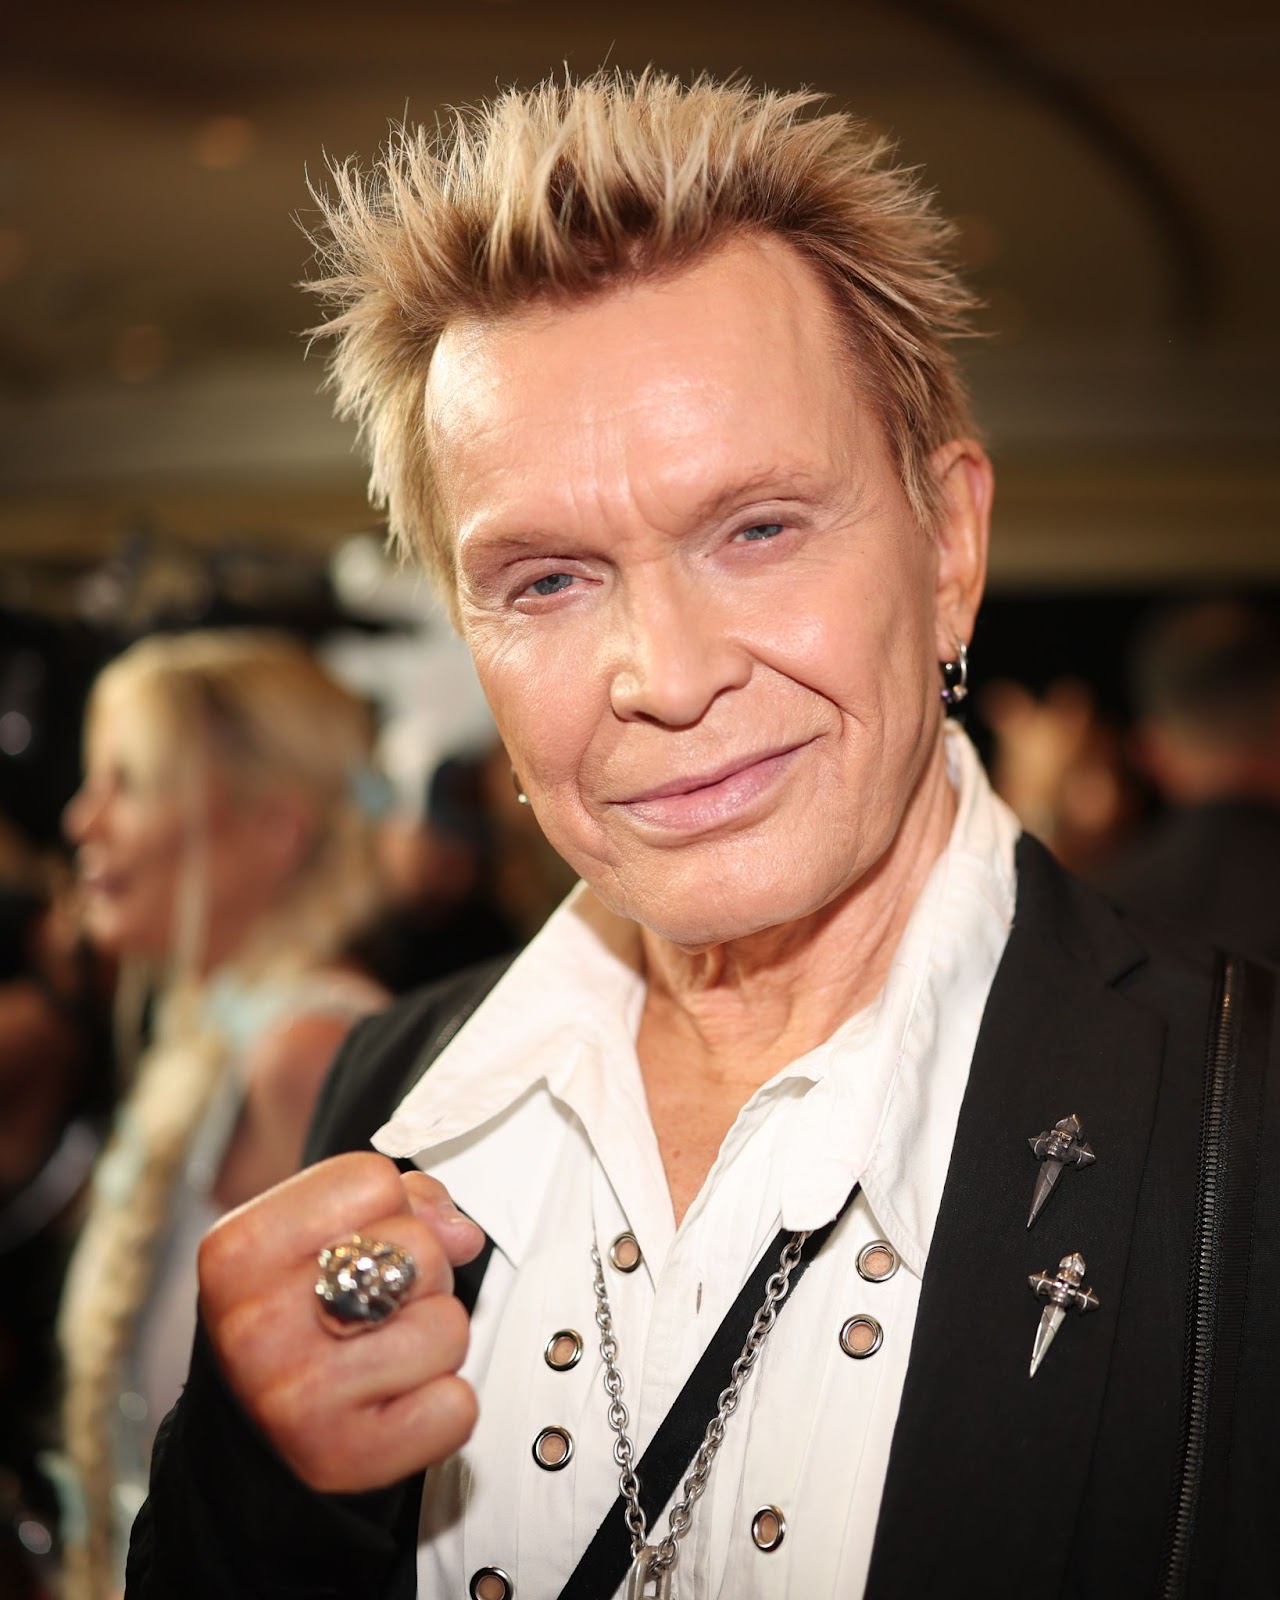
x=224, y=838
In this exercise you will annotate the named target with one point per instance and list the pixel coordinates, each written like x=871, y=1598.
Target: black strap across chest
x=605, y=1562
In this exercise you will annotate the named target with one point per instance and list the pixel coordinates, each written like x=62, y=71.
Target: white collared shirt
x=535, y=1119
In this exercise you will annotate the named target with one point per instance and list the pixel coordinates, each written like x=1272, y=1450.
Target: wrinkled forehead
x=745, y=346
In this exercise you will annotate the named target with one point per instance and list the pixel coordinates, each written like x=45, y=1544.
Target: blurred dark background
x=166, y=455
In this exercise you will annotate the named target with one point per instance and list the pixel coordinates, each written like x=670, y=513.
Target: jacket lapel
x=984, y=1456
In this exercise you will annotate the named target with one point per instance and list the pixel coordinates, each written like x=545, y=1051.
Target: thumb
x=460, y=1238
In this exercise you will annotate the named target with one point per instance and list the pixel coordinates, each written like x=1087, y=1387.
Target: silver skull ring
x=361, y=1282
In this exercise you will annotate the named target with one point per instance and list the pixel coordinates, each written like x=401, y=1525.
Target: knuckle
x=243, y=1333
x=216, y=1243
x=422, y=1186
x=434, y=1271
x=452, y=1330
x=456, y=1412
x=466, y=1408
x=376, y=1178
x=220, y=1257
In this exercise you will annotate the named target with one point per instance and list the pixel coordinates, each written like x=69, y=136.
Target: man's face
x=705, y=618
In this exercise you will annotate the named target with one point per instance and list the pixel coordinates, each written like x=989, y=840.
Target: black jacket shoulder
x=384, y=1056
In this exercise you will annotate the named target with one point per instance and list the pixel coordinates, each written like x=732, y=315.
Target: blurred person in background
x=446, y=911
x=1206, y=693
x=226, y=858
x=1061, y=766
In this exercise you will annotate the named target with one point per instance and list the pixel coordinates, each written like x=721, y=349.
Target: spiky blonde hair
x=565, y=190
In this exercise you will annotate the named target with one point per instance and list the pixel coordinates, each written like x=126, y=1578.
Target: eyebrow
x=491, y=550
x=773, y=482
x=764, y=483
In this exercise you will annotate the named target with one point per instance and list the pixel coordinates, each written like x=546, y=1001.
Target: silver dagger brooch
x=1063, y=1292
x=1058, y=1147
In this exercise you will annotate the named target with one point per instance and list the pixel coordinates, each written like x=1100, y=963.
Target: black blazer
x=997, y=1484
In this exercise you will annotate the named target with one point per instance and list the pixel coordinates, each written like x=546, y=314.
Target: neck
x=742, y=1010
x=233, y=931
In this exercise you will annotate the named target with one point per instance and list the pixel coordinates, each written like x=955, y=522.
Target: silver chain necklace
x=653, y=1566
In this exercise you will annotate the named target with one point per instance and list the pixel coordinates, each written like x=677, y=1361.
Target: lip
x=696, y=803
x=99, y=879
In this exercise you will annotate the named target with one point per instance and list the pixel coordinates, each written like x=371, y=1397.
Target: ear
x=286, y=831
x=967, y=483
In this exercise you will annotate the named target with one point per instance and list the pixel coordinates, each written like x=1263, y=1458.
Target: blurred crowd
x=237, y=884
x=1174, y=812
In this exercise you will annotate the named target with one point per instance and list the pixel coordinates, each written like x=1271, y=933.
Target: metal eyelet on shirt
x=563, y=1350
x=490, y=1583
x=768, y=1528
x=553, y=1449
x=861, y=1337
x=624, y=1252
x=877, y=1261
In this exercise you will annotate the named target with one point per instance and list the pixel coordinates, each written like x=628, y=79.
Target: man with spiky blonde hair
x=764, y=1167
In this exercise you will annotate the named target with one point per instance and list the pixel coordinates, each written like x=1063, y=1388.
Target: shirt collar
x=577, y=978
x=489, y=1116
x=892, y=1077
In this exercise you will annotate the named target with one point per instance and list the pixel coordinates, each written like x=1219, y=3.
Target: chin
x=103, y=929
x=117, y=935
x=716, y=911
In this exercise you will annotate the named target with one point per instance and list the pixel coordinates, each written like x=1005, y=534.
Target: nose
x=677, y=653
x=81, y=814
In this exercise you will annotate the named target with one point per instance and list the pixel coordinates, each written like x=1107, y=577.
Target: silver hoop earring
x=955, y=678
x=521, y=797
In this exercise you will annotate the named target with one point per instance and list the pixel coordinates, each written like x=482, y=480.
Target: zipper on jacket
x=1224, y=1047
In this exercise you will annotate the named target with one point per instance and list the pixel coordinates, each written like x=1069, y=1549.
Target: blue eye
x=762, y=530
x=553, y=583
